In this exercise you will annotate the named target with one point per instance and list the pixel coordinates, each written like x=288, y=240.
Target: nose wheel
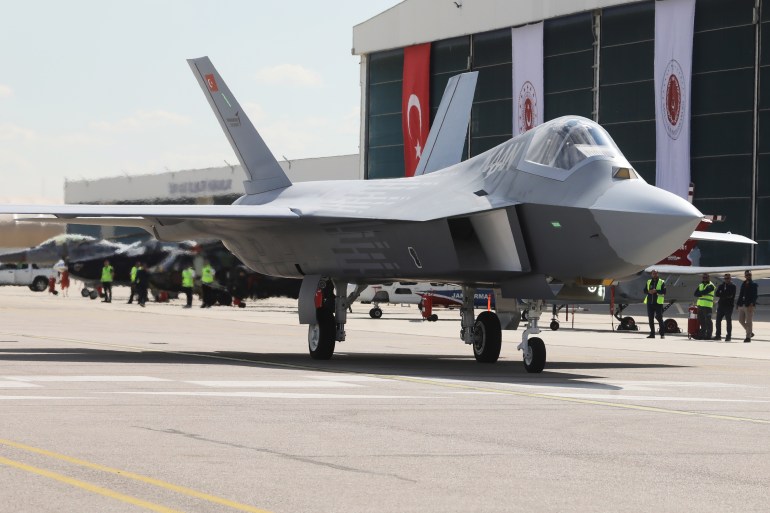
x=534, y=355
x=533, y=349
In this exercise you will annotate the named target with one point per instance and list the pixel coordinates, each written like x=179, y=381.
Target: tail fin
x=446, y=139
x=256, y=159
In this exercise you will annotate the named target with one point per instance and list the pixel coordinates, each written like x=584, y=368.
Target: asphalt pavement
x=117, y=408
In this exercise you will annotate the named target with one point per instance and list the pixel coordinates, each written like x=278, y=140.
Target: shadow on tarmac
x=377, y=364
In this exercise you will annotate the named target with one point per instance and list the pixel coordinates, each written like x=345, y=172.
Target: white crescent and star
x=414, y=102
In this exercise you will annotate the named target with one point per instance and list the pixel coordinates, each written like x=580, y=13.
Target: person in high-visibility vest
x=133, y=283
x=207, y=280
x=188, y=278
x=108, y=274
x=655, y=296
x=705, y=303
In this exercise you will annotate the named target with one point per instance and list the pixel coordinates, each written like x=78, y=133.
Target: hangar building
x=598, y=62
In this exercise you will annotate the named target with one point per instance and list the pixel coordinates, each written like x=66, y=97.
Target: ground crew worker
x=133, y=283
x=705, y=295
x=142, y=283
x=655, y=296
x=207, y=282
x=108, y=274
x=188, y=278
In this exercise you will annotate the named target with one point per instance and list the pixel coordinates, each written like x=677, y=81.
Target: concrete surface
x=116, y=408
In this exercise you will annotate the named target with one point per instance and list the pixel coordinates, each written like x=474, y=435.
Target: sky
x=92, y=89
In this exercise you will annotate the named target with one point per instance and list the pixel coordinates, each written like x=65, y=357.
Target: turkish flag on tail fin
x=415, y=104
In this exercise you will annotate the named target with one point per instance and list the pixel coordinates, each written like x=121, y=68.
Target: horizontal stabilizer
x=721, y=237
x=757, y=271
x=446, y=138
x=265, y=174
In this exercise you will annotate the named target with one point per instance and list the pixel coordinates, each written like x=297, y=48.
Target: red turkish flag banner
x=415, y=104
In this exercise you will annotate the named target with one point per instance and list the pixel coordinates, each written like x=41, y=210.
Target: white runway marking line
x=349, y=378
x=277, y=395
x=17, y=384
x=273, y=384
x=84, y=379
x=37, y=398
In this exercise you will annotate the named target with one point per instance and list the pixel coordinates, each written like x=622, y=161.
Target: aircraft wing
x=721, y=237
x=148, y=216
x=144, y=216
x=757, y=271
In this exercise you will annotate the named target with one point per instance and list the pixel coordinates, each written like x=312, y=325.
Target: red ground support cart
x=692, y=322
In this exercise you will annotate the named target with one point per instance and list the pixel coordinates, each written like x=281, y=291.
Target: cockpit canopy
x=565, y=142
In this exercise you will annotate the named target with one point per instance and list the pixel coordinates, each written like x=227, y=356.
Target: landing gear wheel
x=534, y=356
x=375, y=313
x=487, y=338
x=432, y=317
x=320, y=336
x=628, y=324
x=671, y=326
x=85, y=292
x=93, y=294
x=554, y=325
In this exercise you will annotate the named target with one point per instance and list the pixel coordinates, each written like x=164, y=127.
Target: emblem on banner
x=527, y=107
x=672, y=99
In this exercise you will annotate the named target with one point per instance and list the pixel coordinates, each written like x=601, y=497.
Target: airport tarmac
x=116, y=408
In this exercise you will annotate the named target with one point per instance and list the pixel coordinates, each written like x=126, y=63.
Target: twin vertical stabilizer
x=264, y=172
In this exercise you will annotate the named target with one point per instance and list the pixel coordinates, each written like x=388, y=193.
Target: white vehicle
x=29, y=275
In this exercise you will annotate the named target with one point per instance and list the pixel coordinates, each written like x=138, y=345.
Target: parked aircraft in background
x=234, y=281
x=64, y=247
x=556, y=206
x=442, y=295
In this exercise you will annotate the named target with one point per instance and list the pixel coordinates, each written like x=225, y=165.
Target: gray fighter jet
x=558, y=205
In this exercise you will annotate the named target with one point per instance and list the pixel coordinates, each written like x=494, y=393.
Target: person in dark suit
x=726, y=302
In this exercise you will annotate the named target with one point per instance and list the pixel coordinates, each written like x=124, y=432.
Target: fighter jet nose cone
x=644, y=224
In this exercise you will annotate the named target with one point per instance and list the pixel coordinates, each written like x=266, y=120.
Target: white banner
x=673, y=71
x=528, y=98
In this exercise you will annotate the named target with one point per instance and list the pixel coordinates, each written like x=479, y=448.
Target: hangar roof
x=420, y=21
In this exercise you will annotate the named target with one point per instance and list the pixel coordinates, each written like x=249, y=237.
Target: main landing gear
x=331, y=312
x=483, y=332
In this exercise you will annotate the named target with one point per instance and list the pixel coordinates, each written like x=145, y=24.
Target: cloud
x=289, y=74
x=11, y=132
x=5, y=91
x=142, y=120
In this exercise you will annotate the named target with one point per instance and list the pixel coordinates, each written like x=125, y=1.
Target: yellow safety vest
x=660, y=297
x=706, y=301
x=133, y=274
x=187, y=278
x=107, y=273
x=207, y=274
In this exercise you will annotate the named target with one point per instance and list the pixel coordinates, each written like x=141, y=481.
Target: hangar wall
x=598, y=63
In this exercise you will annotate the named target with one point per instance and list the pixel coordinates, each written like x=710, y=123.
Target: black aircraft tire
x=93, y=294
x=628, y=324
x=535, y=363
x=432, y=318
x=321, y=336
x=487, y=338
x=671, y=326
x=85, y=292
x=554, y=325
x=375, y=313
